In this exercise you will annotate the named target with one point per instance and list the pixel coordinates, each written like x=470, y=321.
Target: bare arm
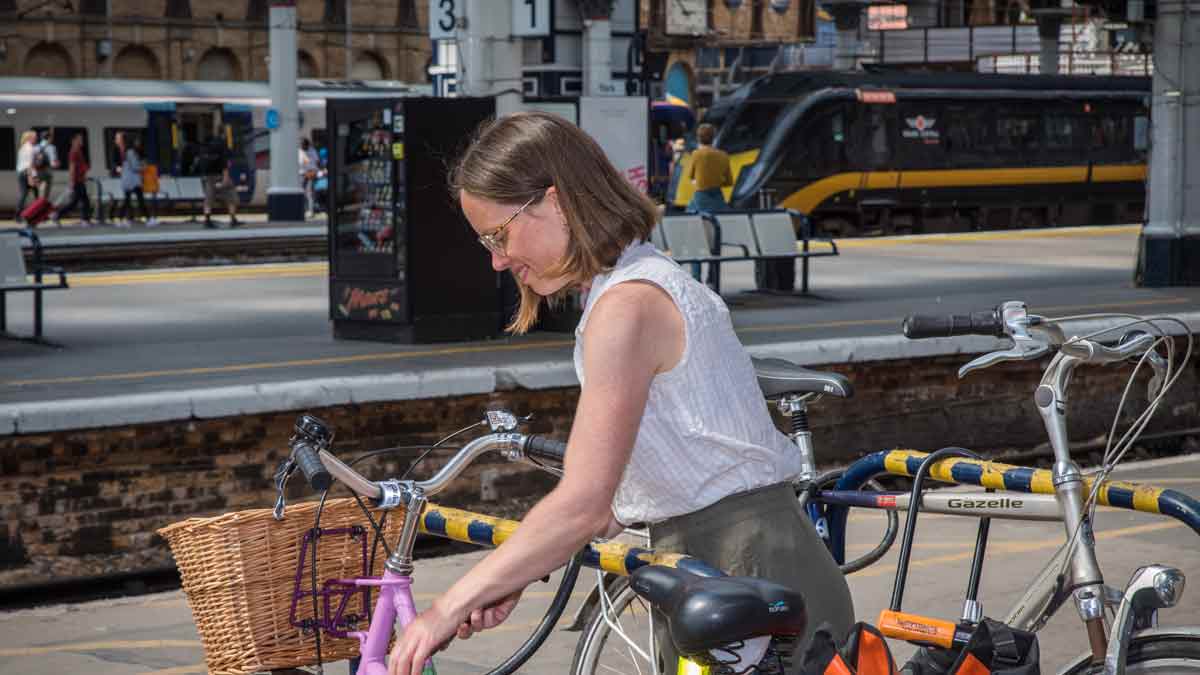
x=634, y=332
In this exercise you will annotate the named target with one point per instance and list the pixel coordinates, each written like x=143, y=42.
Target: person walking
x=131, y=184
x=309, y=165
x=671, y=428
x=47, y=163
x=218, y=183
x=26, y=177
x=77, y=173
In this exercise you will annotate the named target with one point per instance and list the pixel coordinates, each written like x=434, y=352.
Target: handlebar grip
x=918, y=326
x=310, y=463
x=545, y=448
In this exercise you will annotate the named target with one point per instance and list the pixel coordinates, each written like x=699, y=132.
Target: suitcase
x=38, y=211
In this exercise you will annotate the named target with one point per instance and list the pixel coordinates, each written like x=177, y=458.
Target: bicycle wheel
x=827, y=481
x=1154, y=655
x=602, y=649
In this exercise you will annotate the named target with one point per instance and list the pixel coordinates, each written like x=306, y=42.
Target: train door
x=160, y=137
x=230, y=125
x=872, y=154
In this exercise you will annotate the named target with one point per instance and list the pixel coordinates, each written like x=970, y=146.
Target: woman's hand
x=427, y=633
x=488, y=617
x=434, y=628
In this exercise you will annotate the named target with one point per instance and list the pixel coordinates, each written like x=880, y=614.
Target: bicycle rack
x=334, y=622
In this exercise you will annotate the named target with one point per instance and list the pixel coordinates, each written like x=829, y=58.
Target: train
x=170, y=118
x=864, y=153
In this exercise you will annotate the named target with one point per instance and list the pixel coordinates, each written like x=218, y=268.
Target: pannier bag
x=993, y=649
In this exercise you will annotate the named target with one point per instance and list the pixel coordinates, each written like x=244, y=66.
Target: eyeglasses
x=494, y=241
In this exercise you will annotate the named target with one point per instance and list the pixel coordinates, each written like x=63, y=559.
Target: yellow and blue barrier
x=476, y=528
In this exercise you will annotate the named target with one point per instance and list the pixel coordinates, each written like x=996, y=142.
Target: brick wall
x=80, y=503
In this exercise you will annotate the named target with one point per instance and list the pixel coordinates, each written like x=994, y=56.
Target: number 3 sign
x=443, y=18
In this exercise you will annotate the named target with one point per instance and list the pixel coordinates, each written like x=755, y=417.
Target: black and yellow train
x=896, y=152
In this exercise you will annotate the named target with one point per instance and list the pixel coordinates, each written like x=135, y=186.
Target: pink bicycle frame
x=395, y=603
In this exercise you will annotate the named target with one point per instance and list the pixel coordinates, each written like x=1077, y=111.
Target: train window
x=132, y=135
x=8, y=149
x=870, y=137
x=1017, y=133
x=965, y=135
x=1141, y=136
x=750, y=126
x=817, y=146
x=61, y=138
x=1065, y=132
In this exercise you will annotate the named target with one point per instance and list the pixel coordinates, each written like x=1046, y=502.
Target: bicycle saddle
x=706, y=613
x=777, y=377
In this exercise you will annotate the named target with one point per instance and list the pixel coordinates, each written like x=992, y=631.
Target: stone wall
x=81, y=503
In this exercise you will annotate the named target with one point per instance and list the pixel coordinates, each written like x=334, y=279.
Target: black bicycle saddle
x=777, y=377
x=705, y=613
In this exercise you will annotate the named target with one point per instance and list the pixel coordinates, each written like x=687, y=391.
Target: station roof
x=171, y=90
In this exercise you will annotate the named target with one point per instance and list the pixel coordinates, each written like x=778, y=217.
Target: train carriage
x=171, y=119
x=891, y=153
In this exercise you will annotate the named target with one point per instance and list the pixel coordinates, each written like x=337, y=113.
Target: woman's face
x=532, y=242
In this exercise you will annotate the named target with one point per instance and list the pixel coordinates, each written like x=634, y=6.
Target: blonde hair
x=28, y=137
x=516, y=158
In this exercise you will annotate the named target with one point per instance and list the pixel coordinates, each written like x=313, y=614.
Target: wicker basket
x=239, y=572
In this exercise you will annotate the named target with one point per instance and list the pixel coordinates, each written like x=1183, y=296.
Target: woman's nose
x=500, y=262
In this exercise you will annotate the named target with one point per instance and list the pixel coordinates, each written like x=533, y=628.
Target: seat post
x=795, y=408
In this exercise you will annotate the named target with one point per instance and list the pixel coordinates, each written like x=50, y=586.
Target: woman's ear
x=552, y=197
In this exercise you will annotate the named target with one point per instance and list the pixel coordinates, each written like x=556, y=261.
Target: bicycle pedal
x=923, y=630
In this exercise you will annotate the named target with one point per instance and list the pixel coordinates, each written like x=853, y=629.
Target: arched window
x=369, y=66
x=48, y=59
x=219, y=64
x=306, y=66
x=138, y=63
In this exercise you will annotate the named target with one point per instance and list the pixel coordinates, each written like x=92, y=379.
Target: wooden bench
x=15, y=277
x=765, y=237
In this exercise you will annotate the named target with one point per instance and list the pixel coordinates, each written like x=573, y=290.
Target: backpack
x=40, y=160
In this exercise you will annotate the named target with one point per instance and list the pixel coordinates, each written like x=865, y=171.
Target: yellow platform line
x=1003, y=235
x=333, y=360
x=200, y=274
x=98, y=646
x=315, y=269
x=1015, y=547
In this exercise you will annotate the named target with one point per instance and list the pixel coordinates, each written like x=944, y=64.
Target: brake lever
x=1159, y=380
x=282, y=474
x=1024, y=348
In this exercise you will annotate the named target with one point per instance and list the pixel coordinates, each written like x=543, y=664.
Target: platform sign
x=530, y=18
x=445, y=17
x=621, y=125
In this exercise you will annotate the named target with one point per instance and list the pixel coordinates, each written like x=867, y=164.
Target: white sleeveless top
x=706, y=432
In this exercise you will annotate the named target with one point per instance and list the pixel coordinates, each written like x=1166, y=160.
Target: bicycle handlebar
x=1033, y=337
x=919, y=326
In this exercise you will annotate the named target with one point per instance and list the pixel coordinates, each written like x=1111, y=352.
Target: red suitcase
x=39, y=210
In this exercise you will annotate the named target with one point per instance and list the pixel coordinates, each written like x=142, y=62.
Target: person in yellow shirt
x=709, y=172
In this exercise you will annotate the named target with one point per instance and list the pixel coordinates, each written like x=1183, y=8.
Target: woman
x=671, y=428
x=131, y=182
x=709, y=172
x=25, y=171
x=77, y=171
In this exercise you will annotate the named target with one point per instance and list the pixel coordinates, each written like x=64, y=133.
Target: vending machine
x=404, y=265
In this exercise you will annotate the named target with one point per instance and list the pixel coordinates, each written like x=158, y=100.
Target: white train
x=168, y=117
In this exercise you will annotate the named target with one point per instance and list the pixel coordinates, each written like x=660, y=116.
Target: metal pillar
x=597, y=47
x=491, y=58
x=1169, y=247
x=285, y=199
x=1049, y=23
x=847, y=15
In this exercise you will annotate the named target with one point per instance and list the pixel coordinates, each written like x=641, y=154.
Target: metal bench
x=776, y=268
x=765, y=237
x=15, y=277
